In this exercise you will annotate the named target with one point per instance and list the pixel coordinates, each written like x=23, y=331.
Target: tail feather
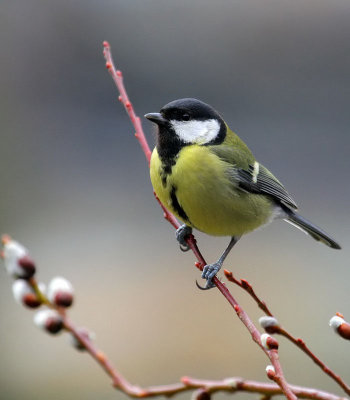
x=310, y=229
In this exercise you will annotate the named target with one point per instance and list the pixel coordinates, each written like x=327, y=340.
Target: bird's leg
x=181, y=234
x=210, y=270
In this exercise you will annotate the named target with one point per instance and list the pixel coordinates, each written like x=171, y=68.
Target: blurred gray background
x=75, y=187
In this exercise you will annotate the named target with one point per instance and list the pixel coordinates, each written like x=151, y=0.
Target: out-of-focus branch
x=277, y=329
x=239, y=384
x=135, y=120
x=54, y=302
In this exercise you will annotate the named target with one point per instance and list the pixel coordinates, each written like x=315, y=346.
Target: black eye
x=185, y=117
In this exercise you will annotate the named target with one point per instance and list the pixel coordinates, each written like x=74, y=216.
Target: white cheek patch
x=199, y=132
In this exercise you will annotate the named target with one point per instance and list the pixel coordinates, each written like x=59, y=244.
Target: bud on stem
x=269, y=342
x=49, y=320
x=24, y=293
x=60, y=292
x=340, y=326
x=17, y=261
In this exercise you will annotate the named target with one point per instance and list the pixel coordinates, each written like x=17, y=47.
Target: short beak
x=157, y=118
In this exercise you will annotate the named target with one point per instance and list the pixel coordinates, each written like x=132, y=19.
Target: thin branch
x=118, y=79
x=231, y=385
x=281, y=331
x=238, y=384
x=302, y=346
x=244, y=284
x=117, y=76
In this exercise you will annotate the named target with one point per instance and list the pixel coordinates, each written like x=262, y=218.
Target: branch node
x=232, y=382
x=101, y=357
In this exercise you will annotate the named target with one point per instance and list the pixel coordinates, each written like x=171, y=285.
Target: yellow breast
x=199, y=191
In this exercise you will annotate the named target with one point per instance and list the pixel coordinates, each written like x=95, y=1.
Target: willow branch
x=135, y=120
x=230, y=385
x=300, y=343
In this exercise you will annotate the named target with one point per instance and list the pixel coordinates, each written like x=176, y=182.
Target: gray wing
x=260, y=180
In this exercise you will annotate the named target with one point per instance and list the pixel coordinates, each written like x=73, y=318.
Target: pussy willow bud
x=16, y=258
x=269, y=342
x=270, y=324
x=201, y=394
x=25, y=294
x=233, y=382
x=49, y=320
x=336, y=321
x=340, y=326
x=60, y=292
x=270, y=371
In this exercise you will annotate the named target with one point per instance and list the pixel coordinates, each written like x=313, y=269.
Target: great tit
x=207, y=176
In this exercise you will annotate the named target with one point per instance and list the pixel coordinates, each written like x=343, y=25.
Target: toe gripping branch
x=182, y=234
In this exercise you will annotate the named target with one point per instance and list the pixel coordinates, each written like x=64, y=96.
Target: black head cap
x=189, y=108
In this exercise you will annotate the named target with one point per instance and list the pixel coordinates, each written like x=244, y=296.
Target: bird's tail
x=310, y=229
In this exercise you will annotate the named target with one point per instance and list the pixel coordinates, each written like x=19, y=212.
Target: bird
x=209, y=179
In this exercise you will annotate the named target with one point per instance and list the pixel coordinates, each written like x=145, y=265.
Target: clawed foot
x=181, y=235
x=204, y=287
x=209, y=272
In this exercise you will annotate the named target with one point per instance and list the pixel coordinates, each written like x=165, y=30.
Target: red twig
x=118, y=79
x=118, y=380
x=117, y=76
x=239, y=384
x=244, y=284
x=302, y=346
x=230, y=385
x=281, y=331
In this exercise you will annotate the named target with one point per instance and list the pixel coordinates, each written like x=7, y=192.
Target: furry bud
x=16, y=258
x=25, y=294
x=340, y=326
x=60, y=292
x=270, y=324
x=201, y=394
x=269, y=342
x=270, y=371
x=49, y=320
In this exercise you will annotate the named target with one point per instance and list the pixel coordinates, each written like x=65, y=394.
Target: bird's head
x=188, y=121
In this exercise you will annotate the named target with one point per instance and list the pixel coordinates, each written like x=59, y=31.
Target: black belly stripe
x=166, y=170
x=176, y=206
x=164, y=175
